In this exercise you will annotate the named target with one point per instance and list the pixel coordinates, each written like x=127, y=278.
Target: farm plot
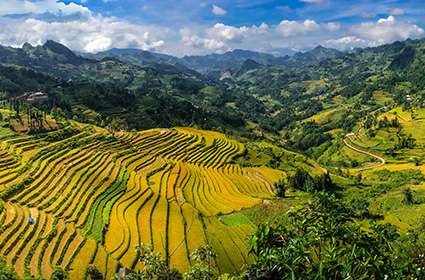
x=91, y=197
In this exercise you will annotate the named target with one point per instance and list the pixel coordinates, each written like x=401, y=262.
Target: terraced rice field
x=412, y=123
x=92, y=197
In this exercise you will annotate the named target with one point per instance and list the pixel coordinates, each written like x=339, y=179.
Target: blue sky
x=208, y=26
x=249, y=12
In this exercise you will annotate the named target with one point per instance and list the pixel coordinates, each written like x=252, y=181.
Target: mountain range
x=213, y=63
x=221, y=91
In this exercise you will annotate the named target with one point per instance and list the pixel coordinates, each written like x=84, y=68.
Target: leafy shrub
x=6, y=272
x=323, y=241
x=302, y=180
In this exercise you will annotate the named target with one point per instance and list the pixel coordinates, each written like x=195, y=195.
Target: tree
x=153, y=262
x=324, y=183
x=408, y=196
x=359, y=177
x=203, y=257
x=57, y=113
x=6, y=272
x=280, y=189
x=302, y=180
x=59, y=274
x=94, y=273
x=417, y=161
x=154, y=265
x=323, y=241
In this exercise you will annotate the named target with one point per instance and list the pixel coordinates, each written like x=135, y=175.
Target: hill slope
x=94, y=196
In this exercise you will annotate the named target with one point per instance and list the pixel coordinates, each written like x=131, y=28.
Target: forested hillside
x=265, y=96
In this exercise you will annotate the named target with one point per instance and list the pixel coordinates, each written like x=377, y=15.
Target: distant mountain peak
x=59, y=49
x=110, y=58
x=249, y=65
x=27, y=46
x=320, y=48
x=320, y=52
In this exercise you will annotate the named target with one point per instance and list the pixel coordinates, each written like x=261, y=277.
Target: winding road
x=381, y=159
x=346, y=143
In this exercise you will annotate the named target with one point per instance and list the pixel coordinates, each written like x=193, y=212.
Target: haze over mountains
x=232, y=60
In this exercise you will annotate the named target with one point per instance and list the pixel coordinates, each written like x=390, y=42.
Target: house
x=32, y=96
x=37, y=96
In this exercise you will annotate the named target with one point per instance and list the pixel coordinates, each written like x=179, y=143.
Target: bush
x=302, y=180
x=94, y=273
x=280, y=189
x=323, y=241
x=408, y=196
x=6, y=272
x=59, y=274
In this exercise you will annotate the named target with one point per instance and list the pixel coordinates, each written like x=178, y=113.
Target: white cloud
x=289, y=28
x=99, y=43
x=386, y=30
x=370, y=34
x=203, y=43
x=19, y=7
x=224, y=32
x=344, y=43
x=390, y=20
x=97, y=33
x=221, y=37
x=218, y=11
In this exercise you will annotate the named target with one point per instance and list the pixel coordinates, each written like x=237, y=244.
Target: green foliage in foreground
x=323, y=241
x=6, y=272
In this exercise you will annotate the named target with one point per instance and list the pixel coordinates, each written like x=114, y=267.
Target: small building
x=37, y=96
x=32, y=96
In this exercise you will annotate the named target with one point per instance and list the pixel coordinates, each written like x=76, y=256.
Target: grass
x=235, y=219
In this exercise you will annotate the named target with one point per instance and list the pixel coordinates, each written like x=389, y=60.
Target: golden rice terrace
x=74, y=197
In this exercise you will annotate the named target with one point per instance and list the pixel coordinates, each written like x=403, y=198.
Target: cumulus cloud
x=97, y=33
x=386, y=30
x=222, y=37
x=347, y=42
x=289, y=28
x=370, y=34
x=224, y=32
x=298, y=35
x=193, y=40
x=217, y=10
x=20, y=7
